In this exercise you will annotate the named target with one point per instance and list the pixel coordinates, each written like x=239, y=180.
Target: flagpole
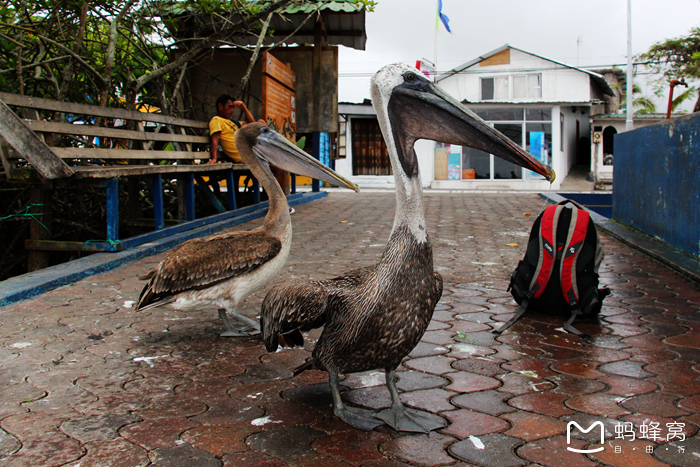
x=437, y=30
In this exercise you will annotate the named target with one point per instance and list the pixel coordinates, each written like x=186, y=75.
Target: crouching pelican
x=224, y=268
x=373, y=317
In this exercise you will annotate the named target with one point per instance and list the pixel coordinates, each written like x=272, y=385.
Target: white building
x=541, y=104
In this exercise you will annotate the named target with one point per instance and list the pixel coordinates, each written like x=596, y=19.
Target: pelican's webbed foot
x=402, y=419
x=250, y=327
x=362, y=419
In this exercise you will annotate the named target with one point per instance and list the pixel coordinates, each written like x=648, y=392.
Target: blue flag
x=443, y=17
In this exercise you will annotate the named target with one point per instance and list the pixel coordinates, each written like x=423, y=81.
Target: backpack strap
x=547, y=253
x=548, y=240
x=574, y=241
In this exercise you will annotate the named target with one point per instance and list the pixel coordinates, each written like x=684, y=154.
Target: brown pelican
x=223, y=269
x=374, y=316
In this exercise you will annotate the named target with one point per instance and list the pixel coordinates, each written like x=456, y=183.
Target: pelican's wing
x=200, y=263
x=288, y=309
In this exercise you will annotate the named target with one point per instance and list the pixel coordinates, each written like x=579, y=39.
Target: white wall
x=559, y=83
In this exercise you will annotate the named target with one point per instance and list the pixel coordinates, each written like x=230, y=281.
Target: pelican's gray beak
x=282, y=153
x=436, y=115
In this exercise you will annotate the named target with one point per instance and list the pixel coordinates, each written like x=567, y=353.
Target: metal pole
x=629, y=123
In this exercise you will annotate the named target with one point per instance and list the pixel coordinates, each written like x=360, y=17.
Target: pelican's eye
x=410, y=77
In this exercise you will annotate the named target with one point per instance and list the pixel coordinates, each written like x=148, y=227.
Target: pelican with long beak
x=373, y=317
x=224, y=268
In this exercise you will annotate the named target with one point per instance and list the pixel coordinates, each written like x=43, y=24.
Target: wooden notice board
x=279, y=85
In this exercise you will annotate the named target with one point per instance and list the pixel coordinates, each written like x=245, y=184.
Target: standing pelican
x=373, y=317
x=224, y=268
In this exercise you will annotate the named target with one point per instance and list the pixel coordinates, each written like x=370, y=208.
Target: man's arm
x=248, y=116
x=214, y=147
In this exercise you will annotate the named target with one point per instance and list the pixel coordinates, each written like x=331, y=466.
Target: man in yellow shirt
x=222, y=128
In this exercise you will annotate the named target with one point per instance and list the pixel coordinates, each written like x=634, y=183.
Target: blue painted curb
x=36, y=283
x=654, y=247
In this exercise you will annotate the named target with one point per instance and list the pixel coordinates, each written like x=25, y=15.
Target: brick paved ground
x=89, y=382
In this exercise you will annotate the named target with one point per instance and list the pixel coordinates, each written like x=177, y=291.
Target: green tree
x=123, y=52
x=675, y=59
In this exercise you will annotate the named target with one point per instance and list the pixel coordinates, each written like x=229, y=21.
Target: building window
x=524, y=86
x=529, y=127
x=494, y=88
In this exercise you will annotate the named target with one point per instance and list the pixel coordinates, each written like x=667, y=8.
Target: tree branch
x=226, y=30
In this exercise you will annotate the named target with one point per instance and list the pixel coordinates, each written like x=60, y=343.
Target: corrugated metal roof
x=347, y=6
x=344, y=24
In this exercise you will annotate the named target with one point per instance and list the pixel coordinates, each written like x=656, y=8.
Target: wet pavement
x=87, y=381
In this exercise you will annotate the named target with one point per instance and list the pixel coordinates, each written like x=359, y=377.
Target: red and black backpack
x=559, y=273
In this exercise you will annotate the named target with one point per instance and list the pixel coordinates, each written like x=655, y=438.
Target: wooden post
x=188, y=187
x=112, y=186
x=231, y=190
x=158, y=209
x=40, y=227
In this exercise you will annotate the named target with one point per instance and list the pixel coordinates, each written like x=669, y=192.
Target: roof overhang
x=343, y=23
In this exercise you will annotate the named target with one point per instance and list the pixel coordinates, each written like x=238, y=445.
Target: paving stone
x=440, y=338
x=183, y=455
x=375, y=397
x=686, y=428
x=604, y=405
x=516, y=383
x=552, y=452
x=422, y=450
x=251, y=459
x=649, y=356
x=425, y=349
x=625, y=368
x=677, y=368
x=263, y=372
x=570, y=385
x=97, y=428
x=114, y=453
x=217, y=440
x=494, y=450
x=480, y=338
x=663, y=405
x=545, y=403
x=679, y=453
x=469, y=326
x=465, y=423
x=481, y=365
x=432, y=400
x=96, y=364
x=154, y=434
x=625, y=386
x=413, y=380
x=353, y=449
x=436, y=365
x=609, y=342
x=488, y=402
x=627, y=453
x=529, y=426
x=463, y=382
x=536, y=367
x=171, y=406
x=317, y=396
x=9, y=444
x=285, y=443
x=49, y=450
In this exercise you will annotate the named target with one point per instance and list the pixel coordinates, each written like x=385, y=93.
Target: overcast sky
x=576, y=32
